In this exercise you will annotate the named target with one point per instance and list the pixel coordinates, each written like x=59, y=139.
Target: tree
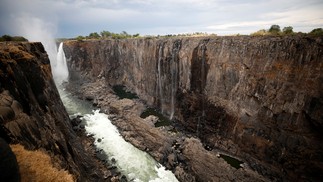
x=274, y=29
x=136, y=35
x=105, y=34
x=288, y=30
x=316, y=31
x=80, y=38
x=94, y=35
x=10, y=38
x=124, y=33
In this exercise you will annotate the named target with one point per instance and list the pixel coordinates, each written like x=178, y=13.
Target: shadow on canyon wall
x=260, y=98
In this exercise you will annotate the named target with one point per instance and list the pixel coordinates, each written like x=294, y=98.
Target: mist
x=37, y=30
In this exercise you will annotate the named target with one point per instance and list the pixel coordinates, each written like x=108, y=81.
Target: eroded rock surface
x=189, y=161
x=32, y=113
x=259, y=98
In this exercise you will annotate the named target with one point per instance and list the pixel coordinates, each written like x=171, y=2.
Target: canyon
x=259, y=99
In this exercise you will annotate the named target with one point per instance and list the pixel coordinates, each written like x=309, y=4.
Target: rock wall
x=263, y=94
x=32, y=113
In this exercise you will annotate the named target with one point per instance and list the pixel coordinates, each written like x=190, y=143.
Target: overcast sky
x=70, y=18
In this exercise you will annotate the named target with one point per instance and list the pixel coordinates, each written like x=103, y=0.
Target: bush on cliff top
x=14, y=38
x=107, y=35
x=37, y=166
x=275, y=30
x=317, y=31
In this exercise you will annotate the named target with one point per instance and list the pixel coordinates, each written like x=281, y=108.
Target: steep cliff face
x=264, y=94
x=31, y=112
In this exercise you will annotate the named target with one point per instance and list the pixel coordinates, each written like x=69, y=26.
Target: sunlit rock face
x=258, y=97
x=31, y=111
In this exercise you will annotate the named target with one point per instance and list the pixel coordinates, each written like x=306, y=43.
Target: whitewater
x=135, y=164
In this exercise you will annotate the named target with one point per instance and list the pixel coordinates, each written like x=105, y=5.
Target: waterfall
x=203, y=82
x=202, y=91
x=159, y=78
x=174, y=76
x=60, y=70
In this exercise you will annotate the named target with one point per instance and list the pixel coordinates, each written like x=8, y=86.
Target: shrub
x=260, y=33
x=136, y=35
x=10, y=38
x=37, y=166
x=80, y=38
x=316, y=31
x=94, y=35
x=274, y=29
x=288, y=30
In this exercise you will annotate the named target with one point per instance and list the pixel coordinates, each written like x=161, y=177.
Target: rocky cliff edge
x=32, y=113
x=259, y=98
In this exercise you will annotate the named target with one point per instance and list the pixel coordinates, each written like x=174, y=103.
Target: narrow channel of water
x=135, y=164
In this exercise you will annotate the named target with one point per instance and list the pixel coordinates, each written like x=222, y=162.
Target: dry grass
x=36, y=166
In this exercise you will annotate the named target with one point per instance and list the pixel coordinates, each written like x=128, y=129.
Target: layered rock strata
x=184, y=155
x=32, y=113
x=260, y=98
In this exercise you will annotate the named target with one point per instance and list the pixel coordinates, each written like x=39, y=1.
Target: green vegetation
x=121, y=92
x=107, y=35
x=260, y=33
x=162, y=120
x=14, y=38
x=316, y=32
x=275, y=30
x=288, y=30
x=232, y=161
x=124, y=35
x=93, y=35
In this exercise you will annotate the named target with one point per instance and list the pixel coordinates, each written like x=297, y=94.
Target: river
x=135, y=164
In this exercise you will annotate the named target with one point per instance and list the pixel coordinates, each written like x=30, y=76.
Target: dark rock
x=17, y=107
x=252, y=96
x=8, y=163
x=6, y=113
x=113, y=161
x=172, y=160
x=123, y=178
x=76, y=121
x=32, y=112
x=89, y=97
x=99, y=140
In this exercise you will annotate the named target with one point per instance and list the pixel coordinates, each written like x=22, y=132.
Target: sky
x=70, y=18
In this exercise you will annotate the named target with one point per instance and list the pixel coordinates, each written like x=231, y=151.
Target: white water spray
x=160, y=86
x=60, y=70
x=174, y=75
x=134, y=163
x=40, y=30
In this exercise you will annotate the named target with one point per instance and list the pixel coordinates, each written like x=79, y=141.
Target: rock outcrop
x=8, y=163
x=260, y=98
x=32, y=113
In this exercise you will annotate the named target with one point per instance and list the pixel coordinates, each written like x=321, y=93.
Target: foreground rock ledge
x=32, y=113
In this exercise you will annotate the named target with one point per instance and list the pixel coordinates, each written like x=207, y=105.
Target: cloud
x=80, y=17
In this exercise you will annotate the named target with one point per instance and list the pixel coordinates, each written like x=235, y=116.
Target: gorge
x=257, y=99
